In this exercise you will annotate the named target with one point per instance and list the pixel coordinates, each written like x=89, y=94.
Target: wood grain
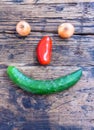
x=46, y=1
x=69, y=110
x=49, y=16
x=75, y=51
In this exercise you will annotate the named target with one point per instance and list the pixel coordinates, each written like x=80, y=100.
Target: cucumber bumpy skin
x=43, y=86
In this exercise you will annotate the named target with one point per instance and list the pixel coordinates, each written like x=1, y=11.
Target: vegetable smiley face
x=44, y=50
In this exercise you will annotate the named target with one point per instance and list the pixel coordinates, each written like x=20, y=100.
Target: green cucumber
x=43, y=86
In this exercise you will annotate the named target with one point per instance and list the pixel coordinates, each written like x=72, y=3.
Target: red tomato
x=44, y=50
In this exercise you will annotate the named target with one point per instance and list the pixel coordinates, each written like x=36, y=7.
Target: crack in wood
x=43, y=31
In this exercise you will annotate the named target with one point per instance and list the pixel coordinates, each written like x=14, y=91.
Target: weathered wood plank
x=42, y=1
x=76, y=51
x=69, y=109
x=47, y=17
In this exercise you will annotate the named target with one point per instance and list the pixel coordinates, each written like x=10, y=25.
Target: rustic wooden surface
x=69, y=110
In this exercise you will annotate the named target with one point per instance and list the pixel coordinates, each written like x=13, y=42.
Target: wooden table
x=69, y=110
